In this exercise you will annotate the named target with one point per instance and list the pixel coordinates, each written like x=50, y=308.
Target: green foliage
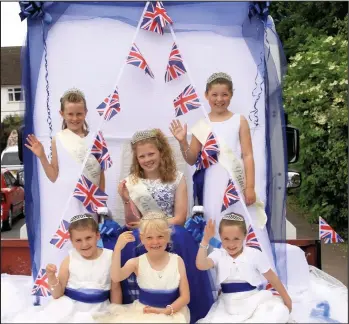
x=7, y=125
x=316, y=99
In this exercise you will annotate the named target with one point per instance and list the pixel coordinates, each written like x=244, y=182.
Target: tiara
x=79, y=217
x=233, y=217
x=73, y=90
x=219, y=75
x=142, y=135
x=154, y=215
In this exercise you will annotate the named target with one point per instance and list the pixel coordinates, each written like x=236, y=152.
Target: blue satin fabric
x=234, y=287
x=89, y=296
x=183, y=244
x=158, y=298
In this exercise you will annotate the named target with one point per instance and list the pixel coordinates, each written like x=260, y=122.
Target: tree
x=7, y=125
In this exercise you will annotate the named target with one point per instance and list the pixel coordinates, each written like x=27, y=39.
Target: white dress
x=83, y=274
x=150, y=280
x=253, y=306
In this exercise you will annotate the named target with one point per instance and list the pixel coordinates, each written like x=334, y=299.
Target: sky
x=13, y=31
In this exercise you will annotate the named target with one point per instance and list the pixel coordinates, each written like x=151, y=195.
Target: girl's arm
x=117, y=273
x=202, y=261
x=184, y=293
x=58, y=284
x=180, y=204
x=247, y=156
x=279, y=287
x=102, y=181
x=115, y=293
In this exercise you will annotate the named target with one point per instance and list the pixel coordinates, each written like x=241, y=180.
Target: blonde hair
x=167, y=167
x=154, y=221
x=73, y=97
x=229, y=222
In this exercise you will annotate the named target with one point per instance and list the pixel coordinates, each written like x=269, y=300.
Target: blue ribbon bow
x=34, y=10
x=195, y=226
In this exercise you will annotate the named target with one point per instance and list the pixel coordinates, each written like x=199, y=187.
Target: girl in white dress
x=161, y=277
x=83, y=285
x=239, y=272
x=74, y=139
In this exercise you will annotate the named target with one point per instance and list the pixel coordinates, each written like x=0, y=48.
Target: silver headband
x=219, y=75
x=233, y=217
x=79, y=217
x=142, y=135
x=154, y=215
x=73, y=90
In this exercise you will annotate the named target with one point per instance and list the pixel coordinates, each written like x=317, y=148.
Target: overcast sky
x=13, y=31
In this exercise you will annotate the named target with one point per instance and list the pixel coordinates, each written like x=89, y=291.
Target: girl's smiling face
x=232, y=238
x=219, y=97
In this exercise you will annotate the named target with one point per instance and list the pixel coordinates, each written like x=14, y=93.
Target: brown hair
x=167, y=166
x=228, y=83
x=228, y=222
x=84, y=223
x=73, y=97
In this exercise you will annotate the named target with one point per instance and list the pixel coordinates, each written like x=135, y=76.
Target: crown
x=73, y=90
x=233, y=217
x=79, y=217
x=219, y=75
x=142, y=135
x=154, y=215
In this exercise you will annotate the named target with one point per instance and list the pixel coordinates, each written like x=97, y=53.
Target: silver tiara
x=219, y=75
x=233, y=217
x=142, y=135
x=79, y=217
x=74, y=90
x=154, y=215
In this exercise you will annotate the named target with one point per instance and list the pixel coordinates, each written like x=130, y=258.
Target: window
x=14, y=94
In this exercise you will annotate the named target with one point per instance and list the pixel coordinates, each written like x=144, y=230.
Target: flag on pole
x=186, y=101
x=136, y=58
x=111, y=104
x=175, y=66
x=327, y=233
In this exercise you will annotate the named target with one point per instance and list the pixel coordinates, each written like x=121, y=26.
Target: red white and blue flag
x=161, y=14
x=101, y=152
x=136, y=58
x=111, y=104
x=149, y=22
x=62, y=235
x=272, y=289
x=251, y=239
x=230, y=196
x=41, y=287
x=327, y=233
x=90, y=195
x=175, y=66
x=186, y=101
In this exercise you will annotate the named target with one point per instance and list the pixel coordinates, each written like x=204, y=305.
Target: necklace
x=160, y=273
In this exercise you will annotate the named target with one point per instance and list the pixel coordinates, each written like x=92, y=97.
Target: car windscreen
x=10, y=158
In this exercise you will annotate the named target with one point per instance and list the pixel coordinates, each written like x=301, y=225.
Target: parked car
x=12, y=198
x=10, y=159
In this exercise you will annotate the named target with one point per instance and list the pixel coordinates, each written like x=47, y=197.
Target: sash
x=77, y=149
x=141, y=196
x=89, y=296
x=231, y=163
x=158, y=298
x=234, y=287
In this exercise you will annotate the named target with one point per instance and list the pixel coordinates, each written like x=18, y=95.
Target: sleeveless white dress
x=83, y=273
x=149, y=279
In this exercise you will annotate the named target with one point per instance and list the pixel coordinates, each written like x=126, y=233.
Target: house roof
x=11, y=65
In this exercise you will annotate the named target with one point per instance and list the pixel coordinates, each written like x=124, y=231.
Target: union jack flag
x=251, y=239
x=175, y=66
x=230, y=196
x=161, y=15
x=90, y=195
x=136, y=58
x=149, y=22
x=111, y=104
x=41, y=287
x=186, y=101
x=327, y=233
x=62, y=235
x=271, y=289
x=101, y=152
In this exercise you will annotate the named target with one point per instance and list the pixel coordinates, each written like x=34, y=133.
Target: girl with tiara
x=83, y=285
x=239, y=271
x=155, y=185
x=72, y=141
x=161, y=276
